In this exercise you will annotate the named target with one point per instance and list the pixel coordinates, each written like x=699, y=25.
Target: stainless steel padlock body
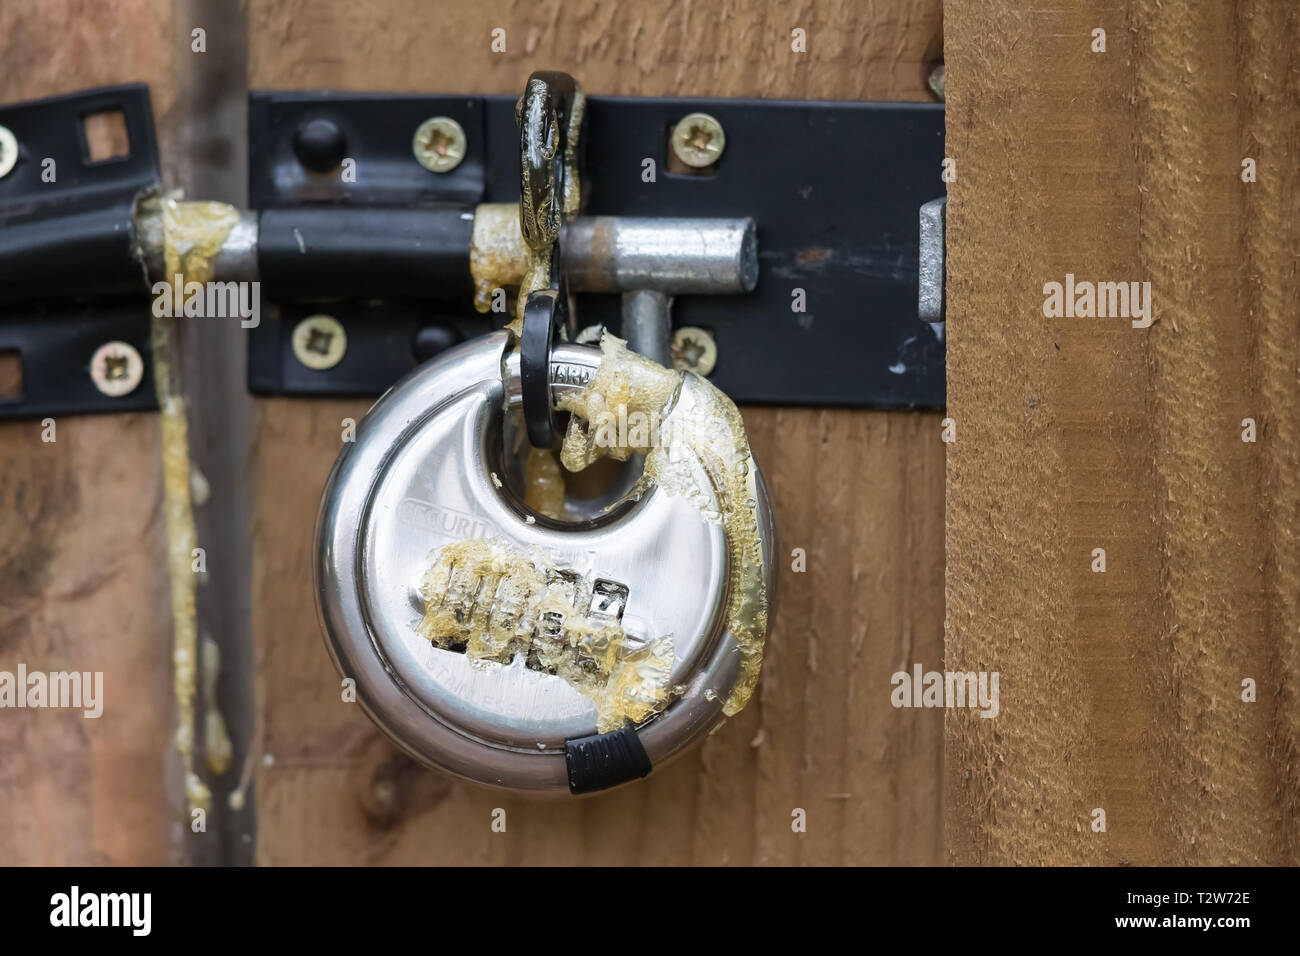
x=422, y=473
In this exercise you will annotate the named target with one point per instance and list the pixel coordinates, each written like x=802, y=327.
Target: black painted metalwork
x=834, y=187
x=70, y=279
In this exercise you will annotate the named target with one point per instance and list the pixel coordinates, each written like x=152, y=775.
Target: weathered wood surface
x=861, y=492
x=1122, y=690
x=82, y=573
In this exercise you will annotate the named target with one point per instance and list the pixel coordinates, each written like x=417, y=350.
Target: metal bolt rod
x=648, y=329
x=236, y=260
x=675, y=256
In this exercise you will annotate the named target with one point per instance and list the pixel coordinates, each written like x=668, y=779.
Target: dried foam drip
x=497, y=252
x=193, y=233
x=500, y=258
x=544, y=483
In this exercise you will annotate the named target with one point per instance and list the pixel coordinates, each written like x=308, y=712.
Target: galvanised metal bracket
x=74, y=304
x=368, y=205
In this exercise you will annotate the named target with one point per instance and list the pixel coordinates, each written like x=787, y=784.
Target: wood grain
x=1122, y=690
x=82, y=581
x=860, y=492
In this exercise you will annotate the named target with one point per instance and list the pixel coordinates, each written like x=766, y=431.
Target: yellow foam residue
x=500, y=258
x=702, y=433
x=193, y=233
x=495, y=601
x=498, y=255
x=543, y=483
x=217, y=748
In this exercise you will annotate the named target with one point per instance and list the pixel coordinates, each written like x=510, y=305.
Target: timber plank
x=1123, y=690
x=82, y=538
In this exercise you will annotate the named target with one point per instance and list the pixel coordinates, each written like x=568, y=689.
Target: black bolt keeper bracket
x=71, y=278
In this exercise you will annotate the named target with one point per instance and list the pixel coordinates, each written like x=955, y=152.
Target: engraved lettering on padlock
x=562, y=374
x=443, y=520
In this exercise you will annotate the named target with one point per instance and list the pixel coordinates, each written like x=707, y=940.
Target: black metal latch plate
x=834, y=187
x=69, y=277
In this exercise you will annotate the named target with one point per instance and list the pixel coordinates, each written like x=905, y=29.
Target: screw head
x=8, y=151
x=116, y=369
x=319, y=342
x=439, y=144
x=693, y=350
x=698, y=140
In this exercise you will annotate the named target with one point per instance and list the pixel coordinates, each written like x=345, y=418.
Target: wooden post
x=1122, y=690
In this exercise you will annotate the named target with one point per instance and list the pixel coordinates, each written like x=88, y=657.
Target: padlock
x=520, y=651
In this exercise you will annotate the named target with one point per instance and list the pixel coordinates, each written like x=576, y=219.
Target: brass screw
x=439, y=144
x=116, y=369
x=319, y=342
x=694, y=350
x=8, y=151
x=698, y=140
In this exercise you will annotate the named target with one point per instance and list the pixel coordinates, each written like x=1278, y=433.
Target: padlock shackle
x=571, y=368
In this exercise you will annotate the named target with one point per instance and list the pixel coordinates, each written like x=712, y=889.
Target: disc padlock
x=561, y=655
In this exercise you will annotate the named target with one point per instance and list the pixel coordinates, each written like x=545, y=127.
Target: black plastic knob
x=432, y=339
x=320, y=145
